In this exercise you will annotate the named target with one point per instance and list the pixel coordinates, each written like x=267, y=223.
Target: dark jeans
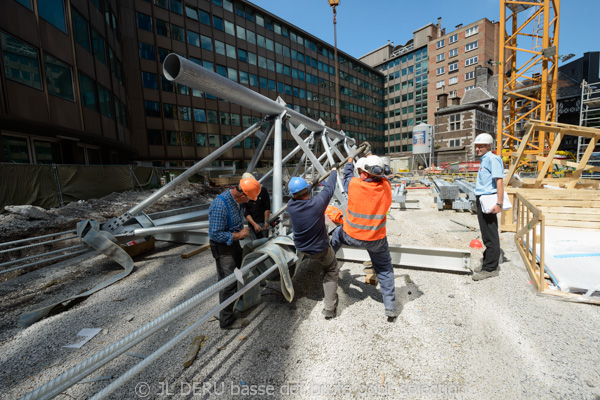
x=488, y=224
x=379, y=252
x=227, y=258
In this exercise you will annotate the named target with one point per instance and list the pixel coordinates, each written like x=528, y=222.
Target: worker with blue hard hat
x=310, y=233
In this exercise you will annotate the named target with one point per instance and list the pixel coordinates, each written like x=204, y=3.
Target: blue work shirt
x=308, y=219
x=491, y=168
x=224, y=217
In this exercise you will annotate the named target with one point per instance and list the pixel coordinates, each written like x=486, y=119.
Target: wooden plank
x=548, y=160
x=519, y=153
x=591, y=217
x=196, y=251
x=584, y=159
x=578, y=298
x=568, y=163
x=567, y=203
x=573, y=224
x=568, y=210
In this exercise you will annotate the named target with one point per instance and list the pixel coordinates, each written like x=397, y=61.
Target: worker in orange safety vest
x=369, y=200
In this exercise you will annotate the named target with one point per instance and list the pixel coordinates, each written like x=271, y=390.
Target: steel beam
x=439, y=259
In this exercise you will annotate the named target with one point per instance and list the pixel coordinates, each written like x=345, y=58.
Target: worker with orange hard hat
x=226, y=229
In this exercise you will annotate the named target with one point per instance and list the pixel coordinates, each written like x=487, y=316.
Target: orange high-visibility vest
x=368, y=204
x=335, y=214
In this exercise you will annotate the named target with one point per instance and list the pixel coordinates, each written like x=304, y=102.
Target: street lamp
x=334, y=4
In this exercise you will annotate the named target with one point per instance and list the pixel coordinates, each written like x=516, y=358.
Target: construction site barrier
x=54, y=185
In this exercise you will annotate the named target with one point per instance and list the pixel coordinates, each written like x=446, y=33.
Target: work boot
x=391, y=313
x=328, y=313
x=477, y=268
x=238, y=324
x=481, y=275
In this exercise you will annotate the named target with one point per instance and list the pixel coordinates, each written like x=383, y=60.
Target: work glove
x=367, y=148
x=352, y=152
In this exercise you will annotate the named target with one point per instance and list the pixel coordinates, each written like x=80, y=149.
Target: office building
x=112, y=103
x=405, y=68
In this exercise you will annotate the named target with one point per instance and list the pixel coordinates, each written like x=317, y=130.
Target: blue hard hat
x=297, y=184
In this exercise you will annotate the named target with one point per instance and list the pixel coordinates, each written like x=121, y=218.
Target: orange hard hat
x=250, y=187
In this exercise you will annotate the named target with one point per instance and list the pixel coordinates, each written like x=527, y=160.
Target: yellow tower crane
x=528, y=76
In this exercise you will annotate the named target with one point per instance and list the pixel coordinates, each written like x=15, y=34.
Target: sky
x=366, y=25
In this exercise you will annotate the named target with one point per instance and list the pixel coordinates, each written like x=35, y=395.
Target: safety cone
x=476, y=244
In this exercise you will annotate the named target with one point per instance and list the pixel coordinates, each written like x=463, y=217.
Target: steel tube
x=285, y=160
x=29, y=246
x=259, y=150
x=185, y=72
x=156, y=230
x=37, y=237
x=74, y=253
x=192, y=170
x=97, y=361
x=76, y=247
x=277, y=167
x=164, y=348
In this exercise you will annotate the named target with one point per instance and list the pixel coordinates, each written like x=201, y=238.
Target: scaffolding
x=589, y=116
x=528, y=76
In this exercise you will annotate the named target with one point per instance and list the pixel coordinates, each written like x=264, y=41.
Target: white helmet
x=484, y=138
x=360, y=164
x=374, y=165
x=246, y=175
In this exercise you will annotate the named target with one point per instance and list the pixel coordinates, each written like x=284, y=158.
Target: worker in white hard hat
x=489, y=182
x=258, y=212
x=369, y=199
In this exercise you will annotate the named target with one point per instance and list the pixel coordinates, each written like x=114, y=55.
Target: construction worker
x=489, y=181
x=258, y=212
x=369, y=199
x=226, y=229
x=310, y=233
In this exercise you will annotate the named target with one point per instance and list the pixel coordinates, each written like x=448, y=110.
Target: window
x=471, y=46
x=161, y=3
x=177, y=33
x=186, y=139
x=440, y=70
x=453, y=80
x=250, y=36
x=184, y=113
x=241, y=32
x=144, y=22
x=440, y=57
x=146, y=51
x=21, y=62
x=169, y=111
x=206, y=42
x=58, y=78
x=453, y=66
x=98, y=46
x=242, y=55
x=229, y=28
x=201, y=139
x=453, y=39
x=440, y=44
x=231, y=51
x=87, y=91
x=470, y=75
x=440, y=84
x=193, y=38
x=251, y=58
x=204, y=17
x=454, y=122
x=219, y=47
x=191, y=12
x=232, y=74
x=172, y=138
x=218, y=23
x=81, y=31
x=211, y=117
x=472, y=31
x=106, y=108
x=213, y=140
x=149, y=80
x=469, y=88
x=471, y=61
x=175, y=6
x=454, y=143
x=162, y=27
x=453, y=93
x=453, y=53
x=53, y=11
x=26, y=3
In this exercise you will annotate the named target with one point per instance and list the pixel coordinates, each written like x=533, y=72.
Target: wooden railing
x=530, y=232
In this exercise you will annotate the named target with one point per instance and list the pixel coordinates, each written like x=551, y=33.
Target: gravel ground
x=454, y=338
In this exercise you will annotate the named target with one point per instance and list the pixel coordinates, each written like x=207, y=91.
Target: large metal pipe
x=185, y=72
x=277, y=166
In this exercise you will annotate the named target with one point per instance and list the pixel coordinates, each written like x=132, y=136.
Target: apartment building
x=405, y=70
x=114, y=103
x=454, y=56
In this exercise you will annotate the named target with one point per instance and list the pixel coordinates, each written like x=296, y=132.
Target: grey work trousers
x=227, y=258
x=328, y=262
x=379, y=252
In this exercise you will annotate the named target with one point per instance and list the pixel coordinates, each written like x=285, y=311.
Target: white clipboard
x=489, y=200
